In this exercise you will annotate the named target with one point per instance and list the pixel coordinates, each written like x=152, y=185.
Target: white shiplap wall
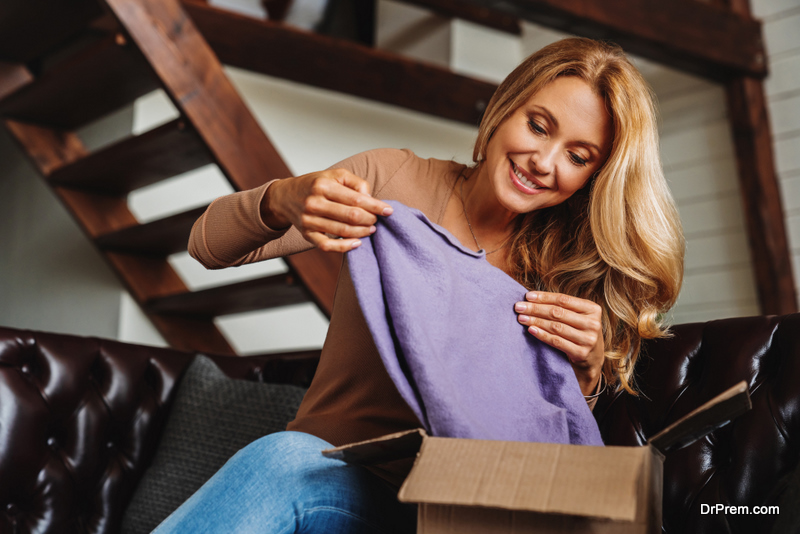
x=782, y=34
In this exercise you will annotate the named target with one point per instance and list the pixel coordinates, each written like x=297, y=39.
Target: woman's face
x=549, y=148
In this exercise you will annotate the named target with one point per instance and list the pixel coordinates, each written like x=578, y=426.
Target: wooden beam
x=259, y=294
x=766, y=229
x=136, y=161
x=193, y=78
x=698, y=37
x=320, y=61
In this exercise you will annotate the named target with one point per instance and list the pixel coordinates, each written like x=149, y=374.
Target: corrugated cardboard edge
x=712, y=415
x=592, y=482
x=387, y=448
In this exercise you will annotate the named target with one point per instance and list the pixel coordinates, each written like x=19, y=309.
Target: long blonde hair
x=618, y=241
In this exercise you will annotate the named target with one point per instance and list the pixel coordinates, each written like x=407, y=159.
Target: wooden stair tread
x=158, y=238
x=161, y=153
x=89, y=84
x=30, y=28
x=258, y=294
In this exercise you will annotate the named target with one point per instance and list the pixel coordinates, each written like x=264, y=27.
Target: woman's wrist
x=267, y=208
x=599, y=389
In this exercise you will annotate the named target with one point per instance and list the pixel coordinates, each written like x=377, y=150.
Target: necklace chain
x=469, y=224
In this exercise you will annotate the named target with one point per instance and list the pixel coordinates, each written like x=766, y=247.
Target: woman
x=566, y=195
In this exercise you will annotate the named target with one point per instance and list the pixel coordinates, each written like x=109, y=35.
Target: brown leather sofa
x=80, y=419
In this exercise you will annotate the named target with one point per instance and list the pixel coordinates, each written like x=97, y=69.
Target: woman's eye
x=577, y=160
x=535, y=127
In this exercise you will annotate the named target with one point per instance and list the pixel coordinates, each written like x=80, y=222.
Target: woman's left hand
x=571, y=325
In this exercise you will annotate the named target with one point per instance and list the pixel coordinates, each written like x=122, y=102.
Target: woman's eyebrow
x=555, y=123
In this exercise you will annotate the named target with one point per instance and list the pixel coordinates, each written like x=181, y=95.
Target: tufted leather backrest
x=80, y=420
x=747, y=462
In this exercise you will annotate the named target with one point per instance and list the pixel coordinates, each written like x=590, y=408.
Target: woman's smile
x=525, y=182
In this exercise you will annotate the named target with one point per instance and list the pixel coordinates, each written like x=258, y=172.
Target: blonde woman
x=565, y=194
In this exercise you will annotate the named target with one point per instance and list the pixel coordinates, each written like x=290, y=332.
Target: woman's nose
x=543, y=159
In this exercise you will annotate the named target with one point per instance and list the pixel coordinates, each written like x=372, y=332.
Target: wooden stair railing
x=81, y=72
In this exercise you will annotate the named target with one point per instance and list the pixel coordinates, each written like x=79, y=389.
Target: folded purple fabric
x=443, y=320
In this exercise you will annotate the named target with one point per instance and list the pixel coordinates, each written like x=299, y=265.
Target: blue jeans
x=281, y=484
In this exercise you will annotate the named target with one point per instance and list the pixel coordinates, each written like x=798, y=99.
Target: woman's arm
x=291, y=215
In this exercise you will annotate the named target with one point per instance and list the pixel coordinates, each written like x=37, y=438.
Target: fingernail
x=372, y=229
x=532, y=295
x=533, y=330
x=520, y=307
x=355, y=244
x=388, y=211
x=523, y=319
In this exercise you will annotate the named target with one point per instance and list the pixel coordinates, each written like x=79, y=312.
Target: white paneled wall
x=782, y=34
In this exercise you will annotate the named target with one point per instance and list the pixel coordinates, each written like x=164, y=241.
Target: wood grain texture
x=193, y=78
x=340, y=65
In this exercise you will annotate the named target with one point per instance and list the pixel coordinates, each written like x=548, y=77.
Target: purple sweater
x=443, y=321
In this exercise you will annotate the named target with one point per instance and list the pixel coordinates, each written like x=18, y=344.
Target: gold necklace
x=469, y=224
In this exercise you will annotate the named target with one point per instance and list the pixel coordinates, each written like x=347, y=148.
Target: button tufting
x=11, y=509
x=52, y=443
x=25, y=369
x=110, y=445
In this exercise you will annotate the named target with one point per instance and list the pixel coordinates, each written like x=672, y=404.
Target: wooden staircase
x=66, y=64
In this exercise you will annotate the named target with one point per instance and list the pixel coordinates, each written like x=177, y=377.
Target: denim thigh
x=281, y=484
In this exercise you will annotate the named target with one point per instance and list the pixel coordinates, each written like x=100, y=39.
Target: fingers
x=574, y=337
x=570, y=324
x=328, y=244
x=350, y=190
x=578, y=313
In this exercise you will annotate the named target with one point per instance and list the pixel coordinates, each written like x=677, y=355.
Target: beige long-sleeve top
x=352, y=398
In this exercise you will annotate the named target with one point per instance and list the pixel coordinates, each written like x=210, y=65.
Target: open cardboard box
x=474, y=486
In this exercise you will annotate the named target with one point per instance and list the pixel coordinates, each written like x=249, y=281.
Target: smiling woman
x=566, y=196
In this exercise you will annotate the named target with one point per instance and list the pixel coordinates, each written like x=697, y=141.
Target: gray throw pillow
x=213, y=416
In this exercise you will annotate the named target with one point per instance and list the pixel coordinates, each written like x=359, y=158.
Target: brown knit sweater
x=351, y=397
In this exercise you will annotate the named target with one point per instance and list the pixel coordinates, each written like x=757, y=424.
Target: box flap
x=587, y=481
x=379, y=450
x=712, y=415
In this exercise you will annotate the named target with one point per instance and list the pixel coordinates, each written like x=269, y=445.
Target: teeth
x=522, y=179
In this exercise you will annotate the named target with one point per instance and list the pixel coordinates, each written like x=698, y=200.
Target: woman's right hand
x=324, y=206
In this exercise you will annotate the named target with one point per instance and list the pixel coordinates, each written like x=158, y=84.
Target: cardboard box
x=474, y=486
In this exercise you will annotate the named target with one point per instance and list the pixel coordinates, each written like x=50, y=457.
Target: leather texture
x=80, y=419
x=747, y=462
